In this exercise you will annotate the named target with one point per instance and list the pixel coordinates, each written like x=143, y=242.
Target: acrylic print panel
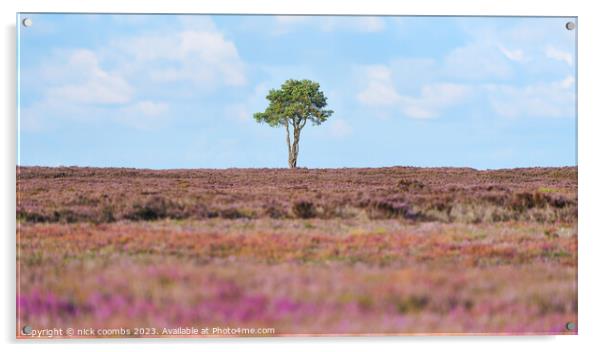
x=197, y=175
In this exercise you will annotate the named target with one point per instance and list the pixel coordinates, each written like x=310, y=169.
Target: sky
x=179, y=91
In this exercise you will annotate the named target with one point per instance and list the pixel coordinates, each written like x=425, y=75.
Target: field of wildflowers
x=319, y=252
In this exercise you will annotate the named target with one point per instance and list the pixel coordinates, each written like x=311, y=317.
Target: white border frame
x=589, y=57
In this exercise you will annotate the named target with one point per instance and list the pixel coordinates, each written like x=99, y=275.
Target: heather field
x=308, y=251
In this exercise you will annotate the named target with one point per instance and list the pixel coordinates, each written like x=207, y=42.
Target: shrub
x=559, y=201
x=234, y=213
x=411, y=185
x=153, y=209
x=106, y=214
x=304, y=209
x=392, y=208
x=67, y=216
x=527, y=200
x=274, y=211
x=412, y=304
x=31, y=216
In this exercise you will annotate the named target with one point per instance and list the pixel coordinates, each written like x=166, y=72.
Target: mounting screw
x=570, y=25
x=27, y=22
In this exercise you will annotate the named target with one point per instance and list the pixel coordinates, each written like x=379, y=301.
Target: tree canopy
x=291, y=106
x=295, y=102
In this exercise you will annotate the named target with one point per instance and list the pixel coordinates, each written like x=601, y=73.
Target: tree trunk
x=293, y=149
x=291, y=164
x=296, y=135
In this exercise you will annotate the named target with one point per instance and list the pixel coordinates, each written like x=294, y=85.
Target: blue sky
x=167, y=91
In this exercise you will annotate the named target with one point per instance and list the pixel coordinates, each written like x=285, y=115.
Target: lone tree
x=291, y=106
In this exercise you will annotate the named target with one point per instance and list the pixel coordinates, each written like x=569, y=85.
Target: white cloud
x=148, y=108
x=145, y=114
x=40, y=115
x=93, y=85
x=384, y=89
x=477, y=61
x=201, y=56
x=433, y=99
x=339, y=128
x=114, y=82
x=568, y=82
x=239, y=112
x=495, y=52
x=243, y=111
x=485, y=66
x=552, y=100
x=560, y=55
x=48, y=114
x=514, y=55
x=380, y=91
x=77, y=87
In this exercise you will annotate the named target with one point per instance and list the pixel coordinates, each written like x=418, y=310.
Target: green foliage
x=295, y=102
x=291, y=106
x=547, y=190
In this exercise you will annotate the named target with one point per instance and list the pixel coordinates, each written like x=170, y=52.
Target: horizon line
x=297, y=168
